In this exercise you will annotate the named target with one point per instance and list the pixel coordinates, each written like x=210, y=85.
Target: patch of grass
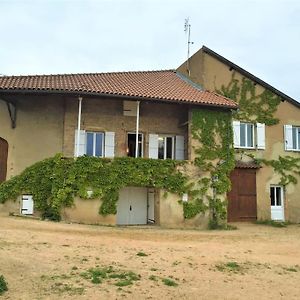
x=273, y=223
x=123, y=282
x=169, y=282
x=153, y=277
x=141, y=253
x=291, y=269
x=97, y=275
x=67, y=288
x=153, y=269
x=231, y=266
x=3, y=285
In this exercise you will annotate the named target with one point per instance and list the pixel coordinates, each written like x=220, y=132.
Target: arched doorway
x=3, y=159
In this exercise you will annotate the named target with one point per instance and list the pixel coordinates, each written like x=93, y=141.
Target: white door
x=27, y=205
x=277, y=203
x=132, y=206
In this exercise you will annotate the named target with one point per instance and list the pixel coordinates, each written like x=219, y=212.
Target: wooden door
x=3, y=159
x=242, y=197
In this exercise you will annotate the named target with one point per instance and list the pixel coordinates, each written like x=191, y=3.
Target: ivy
x=214, y=156
x=54, y=182
x=253, y=106
x=287, y=167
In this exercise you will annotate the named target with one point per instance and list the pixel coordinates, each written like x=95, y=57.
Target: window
x=292, y=138
x=131, y=142
x=94, y=143
x=100, y=144
x=275, y=195
x=166, y=147
x=248, y=135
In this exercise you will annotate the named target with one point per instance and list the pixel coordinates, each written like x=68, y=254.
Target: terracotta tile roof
x=246, y=165
x=159, y=85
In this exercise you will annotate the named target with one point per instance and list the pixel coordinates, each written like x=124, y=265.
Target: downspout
x=137, y=128
x=78, y=125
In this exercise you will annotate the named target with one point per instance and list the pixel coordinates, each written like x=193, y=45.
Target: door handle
x=130, y=208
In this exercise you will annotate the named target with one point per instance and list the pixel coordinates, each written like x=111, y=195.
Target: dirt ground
x=45, y=260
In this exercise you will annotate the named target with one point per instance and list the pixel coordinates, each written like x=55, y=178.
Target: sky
x=51, y=37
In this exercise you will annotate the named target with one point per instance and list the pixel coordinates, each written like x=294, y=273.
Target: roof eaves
x=79, y=92
x=249, y=75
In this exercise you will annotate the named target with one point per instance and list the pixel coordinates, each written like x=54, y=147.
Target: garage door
x=132, y=206
x=242, y=197
x=3, y=159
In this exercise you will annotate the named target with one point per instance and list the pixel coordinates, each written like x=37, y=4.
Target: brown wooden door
x=3, y=159
x=242, y=197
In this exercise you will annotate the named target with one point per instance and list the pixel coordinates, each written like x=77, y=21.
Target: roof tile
x=159, y=85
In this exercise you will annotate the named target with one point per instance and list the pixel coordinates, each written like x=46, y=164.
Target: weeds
x=169, y=282
x=141, y=254
x=273, y=223
x=3, y=285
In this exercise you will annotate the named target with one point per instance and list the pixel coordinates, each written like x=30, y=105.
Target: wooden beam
x=12, y=110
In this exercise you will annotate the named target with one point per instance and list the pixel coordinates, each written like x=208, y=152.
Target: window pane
x=89, y=143
x=278, y=196
x=140, y=141
x=161, y=147
x=243, y=135
x=99, y=144
x=169, y=147
x=294, y=133
x=272, y=195
x=249, y=135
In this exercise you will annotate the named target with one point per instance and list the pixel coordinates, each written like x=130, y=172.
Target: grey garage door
x=132, y=206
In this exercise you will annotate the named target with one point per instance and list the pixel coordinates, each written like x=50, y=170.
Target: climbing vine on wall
x=55, y=182
x=253, y=106
x=215, y=157
x=261, y=107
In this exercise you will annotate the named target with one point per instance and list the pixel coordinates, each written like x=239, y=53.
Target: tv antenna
x=187, y=30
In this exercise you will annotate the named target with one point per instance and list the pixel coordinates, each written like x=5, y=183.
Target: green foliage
x=141, y=253
x=287, y=167
x=272, y=223
x=54, y=182
x=3, y=285
x=169, y=282
x=215, y=155
x=253, y=106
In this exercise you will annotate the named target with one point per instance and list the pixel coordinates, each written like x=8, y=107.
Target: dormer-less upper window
x=292, y=138
x=248, y=135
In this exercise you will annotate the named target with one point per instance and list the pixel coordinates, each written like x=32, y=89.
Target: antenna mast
x=187, y=30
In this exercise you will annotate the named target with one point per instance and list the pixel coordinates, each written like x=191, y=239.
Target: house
x=114, y=116
x=265, y=181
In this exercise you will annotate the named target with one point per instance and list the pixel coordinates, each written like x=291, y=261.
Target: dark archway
x=3, y=159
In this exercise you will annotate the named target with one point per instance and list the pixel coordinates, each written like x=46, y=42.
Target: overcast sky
x=49, y=37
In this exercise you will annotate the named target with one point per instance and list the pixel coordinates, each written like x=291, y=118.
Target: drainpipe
x=137, y=128
x=78, y=125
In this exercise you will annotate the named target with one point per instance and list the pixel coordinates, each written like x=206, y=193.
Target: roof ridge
x=92, y=73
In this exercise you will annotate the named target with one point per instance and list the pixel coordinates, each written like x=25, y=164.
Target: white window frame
x=297, y=141
x=246, y=136
x=142, y=134
x=165, y=136
x=94, y=142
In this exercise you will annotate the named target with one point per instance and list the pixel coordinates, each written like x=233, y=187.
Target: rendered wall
x=38, y=133
x=212, y=74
